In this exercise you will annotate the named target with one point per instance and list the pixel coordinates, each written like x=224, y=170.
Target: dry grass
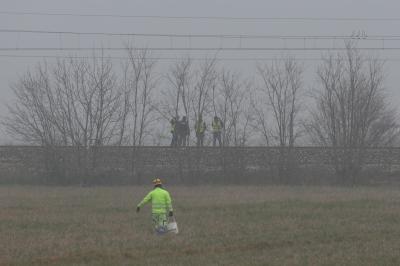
x=219, y=226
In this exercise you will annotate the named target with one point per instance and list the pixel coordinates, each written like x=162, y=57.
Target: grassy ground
x=218, y=226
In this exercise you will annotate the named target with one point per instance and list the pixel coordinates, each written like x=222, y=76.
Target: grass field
x=218, y=226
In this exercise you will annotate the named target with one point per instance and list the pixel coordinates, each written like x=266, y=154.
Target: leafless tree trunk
x=206, y=82
x=231, y=102
x=124, y=134
x=282, y=83
x=141, y=82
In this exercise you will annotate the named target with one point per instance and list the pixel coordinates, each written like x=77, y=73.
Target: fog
x=119, y=17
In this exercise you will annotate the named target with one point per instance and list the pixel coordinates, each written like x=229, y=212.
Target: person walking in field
x=161, y=206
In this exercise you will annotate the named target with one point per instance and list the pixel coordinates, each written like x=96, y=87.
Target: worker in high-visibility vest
x=217, y=126
x=161, y=206
x=200, y=129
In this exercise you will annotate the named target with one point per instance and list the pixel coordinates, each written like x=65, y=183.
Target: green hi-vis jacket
x=160, y=200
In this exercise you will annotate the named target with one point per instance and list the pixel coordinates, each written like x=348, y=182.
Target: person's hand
x=137, y=209
x=170, y=214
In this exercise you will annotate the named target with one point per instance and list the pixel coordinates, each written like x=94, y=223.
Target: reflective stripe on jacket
x=160, y=200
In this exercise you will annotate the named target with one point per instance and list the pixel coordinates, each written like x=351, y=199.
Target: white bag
x=172, y=225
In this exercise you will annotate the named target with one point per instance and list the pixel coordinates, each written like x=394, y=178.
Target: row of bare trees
x=88, y=103
x=81, y=102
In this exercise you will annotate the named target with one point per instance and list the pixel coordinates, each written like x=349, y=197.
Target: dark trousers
x=174, y=140
x=217, y=136
x=183, y=140
x=200, y=139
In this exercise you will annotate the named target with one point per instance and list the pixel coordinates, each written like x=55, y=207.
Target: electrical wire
x=232, y=18
x=228, y=36
x=180, y=58
x=193, y=48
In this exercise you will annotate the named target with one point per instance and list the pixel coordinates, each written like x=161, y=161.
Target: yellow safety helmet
x=157, y=181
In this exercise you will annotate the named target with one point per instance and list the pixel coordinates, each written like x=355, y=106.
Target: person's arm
x=144, y=201
x=168, y=202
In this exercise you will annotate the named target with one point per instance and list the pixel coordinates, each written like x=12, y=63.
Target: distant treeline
x=87, y=104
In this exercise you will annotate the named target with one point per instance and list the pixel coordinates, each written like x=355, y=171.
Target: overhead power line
x=180, y=58
x=232, y=18
x=228, y=36
x=192, y=48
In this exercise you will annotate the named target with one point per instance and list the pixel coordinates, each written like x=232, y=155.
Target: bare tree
x=177, y=97
x=279, y=94
x=181, y=92
x=75, y=103
x=85, y=102
x=351, y=112
x=139, y=84
x=231, y=102
x=205, y=84
x=276, y=110
x=29, y=117
x=124, y=134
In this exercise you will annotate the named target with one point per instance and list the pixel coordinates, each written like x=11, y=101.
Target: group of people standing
x=180, y=131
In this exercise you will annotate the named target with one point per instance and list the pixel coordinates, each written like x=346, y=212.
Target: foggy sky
x=12, y=68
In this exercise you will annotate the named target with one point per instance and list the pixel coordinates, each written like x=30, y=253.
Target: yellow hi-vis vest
x=173, y=127
x=216, y=125
x=200, y=127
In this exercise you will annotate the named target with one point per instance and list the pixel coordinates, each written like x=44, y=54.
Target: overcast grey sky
x=12, y=67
